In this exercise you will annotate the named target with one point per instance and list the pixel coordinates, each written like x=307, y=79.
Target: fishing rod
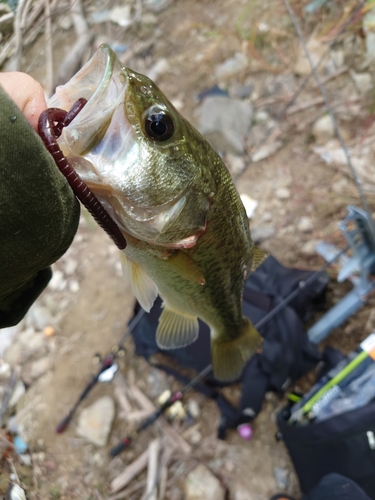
x=178, y=395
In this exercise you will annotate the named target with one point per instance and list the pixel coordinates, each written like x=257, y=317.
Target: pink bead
x=245, y=431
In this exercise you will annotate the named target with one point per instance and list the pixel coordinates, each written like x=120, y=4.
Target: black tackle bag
x=344, y=444
x=286, y=354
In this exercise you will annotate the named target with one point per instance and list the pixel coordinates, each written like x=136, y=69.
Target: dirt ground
x=195, y=38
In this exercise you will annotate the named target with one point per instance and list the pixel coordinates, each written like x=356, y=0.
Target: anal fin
x=176, y=329
x=142, y=285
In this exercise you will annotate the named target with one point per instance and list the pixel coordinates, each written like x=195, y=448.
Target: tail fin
x=230, y=355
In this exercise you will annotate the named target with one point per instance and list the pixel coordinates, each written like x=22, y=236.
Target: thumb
x=26, y=93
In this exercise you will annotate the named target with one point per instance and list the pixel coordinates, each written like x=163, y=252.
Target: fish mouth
x=103, y=82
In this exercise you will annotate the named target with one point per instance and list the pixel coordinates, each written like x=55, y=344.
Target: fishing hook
x=50, y=126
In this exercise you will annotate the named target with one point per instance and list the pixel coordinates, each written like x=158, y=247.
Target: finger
x=27, y=94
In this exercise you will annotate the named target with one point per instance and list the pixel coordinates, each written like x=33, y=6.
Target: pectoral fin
x=259, y=256
x=184, y=265
x=142, y=285
x=176, y=329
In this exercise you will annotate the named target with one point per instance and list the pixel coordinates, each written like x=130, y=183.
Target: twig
x=174, y=439
x=301, y=87
x=8, y=392
x=125, y=494
x=49, y=53
x=136, y=416
x=165, y=459
x=152, y=470
x=142, y=399
x=18, y=34
x=130, y=472
x=73, y=60
x=329, y=108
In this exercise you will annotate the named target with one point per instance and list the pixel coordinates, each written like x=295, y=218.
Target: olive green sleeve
x=38, y=214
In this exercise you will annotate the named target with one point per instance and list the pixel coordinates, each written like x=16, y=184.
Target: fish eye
x=159, y=126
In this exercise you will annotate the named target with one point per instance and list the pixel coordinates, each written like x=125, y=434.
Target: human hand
x=26, y=93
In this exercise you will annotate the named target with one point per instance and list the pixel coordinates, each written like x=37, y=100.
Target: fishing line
x=301, y=87
x=329, y=109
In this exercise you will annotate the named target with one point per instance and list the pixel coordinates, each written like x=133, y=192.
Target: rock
x=57, y=283
x=323, y=129
x=73, y=286
x=316, y=50
x=231, y=67
x=279, y=85
x=309, y=248
x=5, y=370
x=95, y=421
x=225, y=122
x=261, y=116
x=250, y=204
x=15, y=492
x=18, y=392
x=70, y=266
x=65, y=22
x=262, y=233
x=235, y=163
x=193, y=408
x=121, y=15
x=157, y=5
x=305, y=224
x=340, y=186
x=39, y=367
x=195, y=437
x=7, y=337
x=265, y=151
x=267, y=216
x=282, y=193
x=282, y=477
x=362, y=81
x=161, y=66
x=338, y=58
x=201, y=483
x=149, y=18
x=99, y=16
x=368, y=24
x=26, y=459
x=245, y=91
x=38, y=317
x=33, y=342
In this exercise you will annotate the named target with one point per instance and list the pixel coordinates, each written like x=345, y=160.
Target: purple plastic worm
x=49, y=132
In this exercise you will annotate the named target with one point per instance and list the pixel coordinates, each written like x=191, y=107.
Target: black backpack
x=286, y=355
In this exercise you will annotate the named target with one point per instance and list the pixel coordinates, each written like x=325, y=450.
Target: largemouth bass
x=187, y=233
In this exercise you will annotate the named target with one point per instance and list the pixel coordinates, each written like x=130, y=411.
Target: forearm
x=38, y=211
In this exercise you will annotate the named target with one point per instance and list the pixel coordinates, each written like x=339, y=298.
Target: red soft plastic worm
x=50, y=125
